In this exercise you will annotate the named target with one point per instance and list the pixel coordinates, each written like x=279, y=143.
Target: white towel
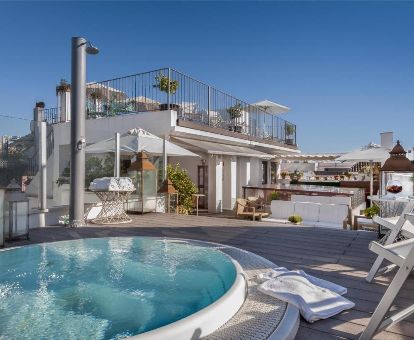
x=314, y=302
x=276, y=272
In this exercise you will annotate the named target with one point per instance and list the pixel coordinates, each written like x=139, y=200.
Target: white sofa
x=356, y=211
x=313, y=214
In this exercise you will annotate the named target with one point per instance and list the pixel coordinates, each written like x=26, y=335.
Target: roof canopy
x=223, y=149
x=271, y=107
x=369, y=153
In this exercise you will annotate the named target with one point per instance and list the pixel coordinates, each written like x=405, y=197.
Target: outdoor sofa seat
x=244, y=210
x=313, y=214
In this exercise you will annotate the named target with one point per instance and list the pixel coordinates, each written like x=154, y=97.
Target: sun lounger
x=395, y=225
x=400, y=254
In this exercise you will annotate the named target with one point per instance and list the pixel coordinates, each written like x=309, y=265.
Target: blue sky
x=345, y=68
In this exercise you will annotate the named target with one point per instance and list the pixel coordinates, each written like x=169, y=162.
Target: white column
x=229, y=182
x=117, y=162
x=215, y=187
x=42, y=171
x=255, y=171
x=243, y=174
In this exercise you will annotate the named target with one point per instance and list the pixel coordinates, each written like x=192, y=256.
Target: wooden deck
x=336, y=255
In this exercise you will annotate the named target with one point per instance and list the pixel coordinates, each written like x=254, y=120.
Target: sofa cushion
x=333, y=213
x=340, y=200
x=307, y=210
x=281, y=209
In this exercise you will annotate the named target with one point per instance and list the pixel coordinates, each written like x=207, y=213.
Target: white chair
x=401, y=254
x=395, y=225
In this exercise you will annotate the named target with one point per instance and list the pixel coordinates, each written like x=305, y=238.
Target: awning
x=220, y=149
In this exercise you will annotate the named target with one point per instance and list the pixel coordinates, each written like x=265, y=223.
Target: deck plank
x=336, y=255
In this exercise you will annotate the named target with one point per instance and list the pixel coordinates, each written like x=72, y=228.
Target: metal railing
x=193, y=100
x=51, y=115
x=33, y=162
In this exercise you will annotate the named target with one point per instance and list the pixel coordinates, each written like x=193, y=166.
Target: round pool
x=110, y=288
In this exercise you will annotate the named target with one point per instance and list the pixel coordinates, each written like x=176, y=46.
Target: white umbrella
x=369, y=153
x=272, y=107
x=137, y=140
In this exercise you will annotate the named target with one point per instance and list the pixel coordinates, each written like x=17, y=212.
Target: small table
x=197, y=196
x=113, y=211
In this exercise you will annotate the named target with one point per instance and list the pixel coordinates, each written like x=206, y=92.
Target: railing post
x=169, y=90
x=208, y=104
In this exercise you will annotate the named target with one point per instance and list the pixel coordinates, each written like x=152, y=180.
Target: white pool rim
x=206, y=320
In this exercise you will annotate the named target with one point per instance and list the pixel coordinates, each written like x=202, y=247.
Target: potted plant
x=290, y=131
x=235, y=112
x=184, y=185
x=296, y=176
x=285, y=177
x=295, y=219
x=40, y=105
x=284, y=174
x=274, y=196
x=63, y=86
x=165, y=84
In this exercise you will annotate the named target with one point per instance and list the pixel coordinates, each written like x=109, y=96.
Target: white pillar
x=43, y=174
x=255, y=171
x=229, y=182
x=243, y=174
x=215, y=188
x=164, y=158
x=117, y=162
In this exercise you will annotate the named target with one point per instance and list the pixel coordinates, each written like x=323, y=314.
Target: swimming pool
x=110, y=288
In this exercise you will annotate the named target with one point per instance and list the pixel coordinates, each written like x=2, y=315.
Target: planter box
x=164, y=107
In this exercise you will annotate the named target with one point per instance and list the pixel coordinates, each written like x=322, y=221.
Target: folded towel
x=314, y=302
x=276, y=272
x=112, y=184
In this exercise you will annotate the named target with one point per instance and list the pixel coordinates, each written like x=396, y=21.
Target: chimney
x=63, y=101
x=387, y=140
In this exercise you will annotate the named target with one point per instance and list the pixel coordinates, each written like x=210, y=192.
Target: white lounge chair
x=395, y=225
x=401, y=254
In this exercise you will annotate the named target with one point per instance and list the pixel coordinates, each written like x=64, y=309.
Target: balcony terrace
x=198, y=106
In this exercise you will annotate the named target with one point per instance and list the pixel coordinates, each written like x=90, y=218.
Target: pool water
x=106, y=288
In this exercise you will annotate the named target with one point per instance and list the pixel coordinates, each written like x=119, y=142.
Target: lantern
x=397, y=174
x=15, y=212
x=146, y=182
x=168, y=190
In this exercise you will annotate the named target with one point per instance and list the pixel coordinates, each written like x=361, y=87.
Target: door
x=202, y=184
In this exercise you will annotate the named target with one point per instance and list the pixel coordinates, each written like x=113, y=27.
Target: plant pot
x=284, y=181
x=235, y=128
x=164, y=107
x=290, y=141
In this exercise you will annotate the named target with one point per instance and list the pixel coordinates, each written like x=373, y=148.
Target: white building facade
x=236, y=141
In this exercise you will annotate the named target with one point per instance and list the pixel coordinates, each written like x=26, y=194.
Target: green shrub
x=372, y=211
x=295, y=219
x=96, y=167
x=274, y=196
x=185, y=187
x=162, y=84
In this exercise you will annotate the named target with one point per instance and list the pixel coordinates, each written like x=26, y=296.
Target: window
x=273, y=173
x=264, y=172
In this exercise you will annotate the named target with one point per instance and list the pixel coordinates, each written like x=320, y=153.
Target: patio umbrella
x=137, y=140
x=369, y=153
x=271, y=107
